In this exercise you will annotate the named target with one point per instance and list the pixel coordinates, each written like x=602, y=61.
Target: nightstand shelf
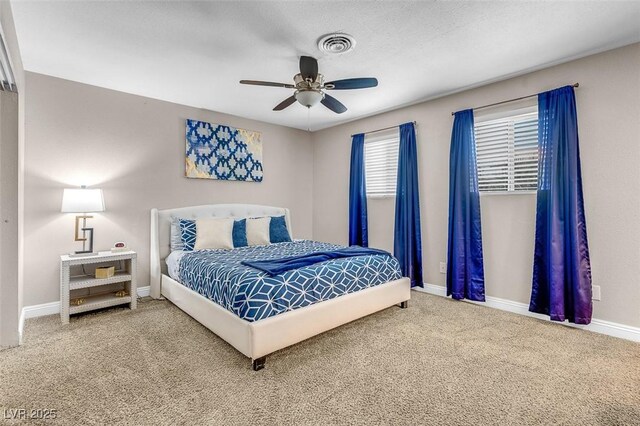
x=77, y=280
x=84, y=281
x=99, y=301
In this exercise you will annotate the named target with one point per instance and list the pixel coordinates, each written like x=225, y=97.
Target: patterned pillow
x=176, y=234
x=188, y=233
x=240, y=233
x=278, y=232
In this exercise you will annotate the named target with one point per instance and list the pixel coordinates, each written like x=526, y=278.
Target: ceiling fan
x=310, y=87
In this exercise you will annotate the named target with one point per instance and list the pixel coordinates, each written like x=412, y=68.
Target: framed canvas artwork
x=216, y=151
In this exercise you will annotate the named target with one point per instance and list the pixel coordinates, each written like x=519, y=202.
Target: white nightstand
x=77, y=280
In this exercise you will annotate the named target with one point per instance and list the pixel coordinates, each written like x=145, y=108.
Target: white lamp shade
x=82, y=200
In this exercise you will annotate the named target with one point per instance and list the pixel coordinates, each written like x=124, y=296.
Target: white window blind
x=507, y=153
x=381, y=163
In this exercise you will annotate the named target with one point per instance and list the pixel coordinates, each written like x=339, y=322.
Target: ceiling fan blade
x=333, y=104
x=282, y=105
x=267, y=83
x=308, y=68
x=352, y=83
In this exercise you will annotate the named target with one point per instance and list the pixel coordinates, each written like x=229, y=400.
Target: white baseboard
x=42, y=310
x=53, y=308
x=438, y=290
x=597, y=325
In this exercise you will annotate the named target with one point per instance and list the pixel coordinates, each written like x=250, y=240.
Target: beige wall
x=608, y=102
x=11, y=145
x=133, y=148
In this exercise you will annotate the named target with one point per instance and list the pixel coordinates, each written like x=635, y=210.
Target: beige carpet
x=439, y=362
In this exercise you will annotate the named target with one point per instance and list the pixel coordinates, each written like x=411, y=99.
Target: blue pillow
x=278, y=232
x=240, y=233
x=188, y=233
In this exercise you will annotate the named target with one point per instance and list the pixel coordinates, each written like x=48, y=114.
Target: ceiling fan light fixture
x=309, y=98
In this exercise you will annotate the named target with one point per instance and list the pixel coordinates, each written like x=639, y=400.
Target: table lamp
x=83, y=200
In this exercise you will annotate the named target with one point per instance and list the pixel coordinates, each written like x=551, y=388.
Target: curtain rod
x=511, y=100
x=385, y=128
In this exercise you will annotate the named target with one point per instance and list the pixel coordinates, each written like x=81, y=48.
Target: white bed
x=257, y=339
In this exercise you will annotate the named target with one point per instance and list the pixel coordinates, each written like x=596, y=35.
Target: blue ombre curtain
x=407, y=244
x=465, y=267
x=358, y=234
x=561, y=267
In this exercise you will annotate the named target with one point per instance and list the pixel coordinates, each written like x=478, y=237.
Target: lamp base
x=89, y=238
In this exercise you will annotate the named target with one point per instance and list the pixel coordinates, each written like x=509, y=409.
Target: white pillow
x=214, y=233
x=258, y=231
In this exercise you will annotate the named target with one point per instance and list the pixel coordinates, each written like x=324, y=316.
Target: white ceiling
x=194, y=53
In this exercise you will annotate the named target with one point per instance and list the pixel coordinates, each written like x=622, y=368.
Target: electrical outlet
x=595, y=292
x=443, y=268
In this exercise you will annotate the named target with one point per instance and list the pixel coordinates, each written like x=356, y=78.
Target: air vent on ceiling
x=336, y=43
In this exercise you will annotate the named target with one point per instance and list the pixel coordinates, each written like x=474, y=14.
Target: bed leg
x=404, y=305
x=258, y=364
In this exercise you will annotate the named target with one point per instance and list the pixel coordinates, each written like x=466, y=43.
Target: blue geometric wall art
x=216, y=151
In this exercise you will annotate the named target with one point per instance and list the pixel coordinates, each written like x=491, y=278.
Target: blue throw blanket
x=278, y=266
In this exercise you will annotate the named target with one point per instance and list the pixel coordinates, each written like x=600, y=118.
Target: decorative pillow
x=176, y=234
x=258, y=231
x=278, y=232
x=214, y=233
x=240, y=233
x=187, y=233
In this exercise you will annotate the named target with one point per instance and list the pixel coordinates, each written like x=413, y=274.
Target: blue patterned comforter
x=253, y=295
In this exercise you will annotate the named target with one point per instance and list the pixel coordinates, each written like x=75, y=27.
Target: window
x=507, y=151
x=381, y=163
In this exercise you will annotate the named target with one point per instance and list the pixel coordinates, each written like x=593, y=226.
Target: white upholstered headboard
x=160, y=244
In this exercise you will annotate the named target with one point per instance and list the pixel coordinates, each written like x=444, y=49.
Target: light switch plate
x=595, y=292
